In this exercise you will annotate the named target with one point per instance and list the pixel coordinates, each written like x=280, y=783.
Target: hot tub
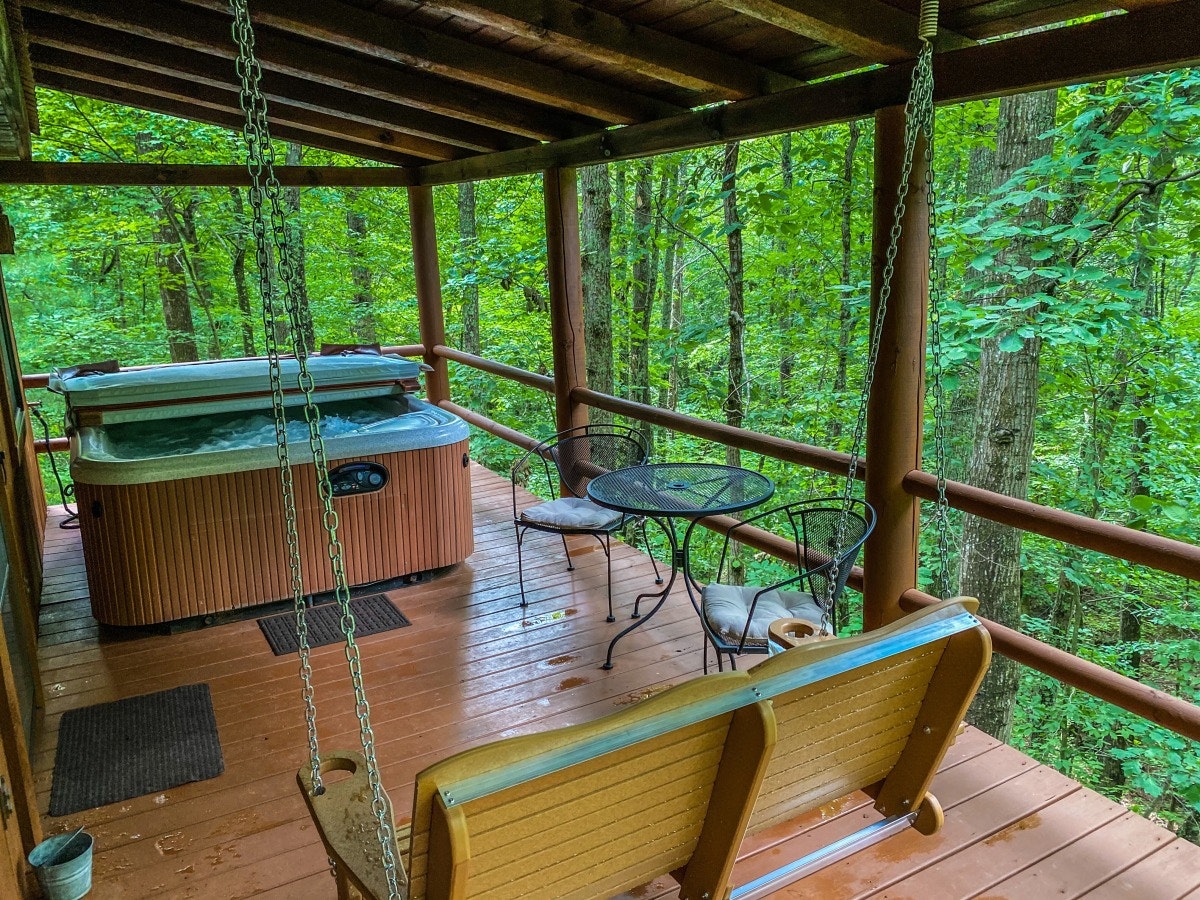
x=176, y=475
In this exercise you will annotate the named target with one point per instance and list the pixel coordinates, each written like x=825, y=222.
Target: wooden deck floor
x=474, y=667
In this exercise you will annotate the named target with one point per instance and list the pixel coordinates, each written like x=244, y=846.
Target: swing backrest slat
x=880, y=717
x=597, y=808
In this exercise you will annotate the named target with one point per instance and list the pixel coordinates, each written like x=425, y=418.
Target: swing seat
x=675, y=782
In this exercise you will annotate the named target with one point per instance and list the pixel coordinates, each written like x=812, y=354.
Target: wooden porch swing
x=670, y=785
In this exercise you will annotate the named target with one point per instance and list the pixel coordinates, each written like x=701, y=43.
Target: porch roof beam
x=615, y=41
x=209, y=33
x=84, y=87
x=869, y=29
x=409, y=45
x=104, y=45
x=1154, y=39
x=411, y=150
x=154, y=174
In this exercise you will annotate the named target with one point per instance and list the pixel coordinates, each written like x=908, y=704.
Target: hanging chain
x=918, y=122
x=259, y=153
x=265, y=185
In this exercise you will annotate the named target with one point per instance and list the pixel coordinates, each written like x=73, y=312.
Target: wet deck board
x=475, y=666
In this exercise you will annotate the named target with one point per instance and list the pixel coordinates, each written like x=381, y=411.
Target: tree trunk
x=735, y=410
x=845, y=308
x=1004, y=418
x=468, y=238
x=644, y=274
x=247, y=325
x=193, y=260
x=787, y=272
x=362, y=323
x=173, y=292
x=295, y=237
x=595, y=230
x=669, y=307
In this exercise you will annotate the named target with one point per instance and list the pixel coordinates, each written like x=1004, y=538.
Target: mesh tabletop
x=687, y=490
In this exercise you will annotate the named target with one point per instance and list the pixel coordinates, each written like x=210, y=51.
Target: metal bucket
x=63, y=865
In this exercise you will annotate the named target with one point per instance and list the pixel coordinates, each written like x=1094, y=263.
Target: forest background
x=733, y=284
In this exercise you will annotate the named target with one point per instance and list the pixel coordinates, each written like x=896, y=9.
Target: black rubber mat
x=373, y=613
x=141, y=745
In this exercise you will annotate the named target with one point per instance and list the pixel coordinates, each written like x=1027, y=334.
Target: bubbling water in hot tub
x=248, y=430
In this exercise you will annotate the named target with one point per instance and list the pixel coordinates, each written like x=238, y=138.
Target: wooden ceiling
x=452, y=89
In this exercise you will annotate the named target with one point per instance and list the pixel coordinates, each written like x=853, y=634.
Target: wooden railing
x=1153, y=551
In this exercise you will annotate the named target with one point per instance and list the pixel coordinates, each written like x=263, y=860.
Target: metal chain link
x=261, y=164
x=918, y=120
x=258, y=152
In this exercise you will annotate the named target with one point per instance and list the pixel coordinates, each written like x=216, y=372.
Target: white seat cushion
x=571, y=512
x=726, y=607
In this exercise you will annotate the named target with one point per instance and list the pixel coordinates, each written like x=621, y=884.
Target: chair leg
x=653, y=561
x=567, y=551
x=608, y=561
x=520, y=571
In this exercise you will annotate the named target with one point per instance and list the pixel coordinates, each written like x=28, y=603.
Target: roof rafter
x=209, y=33
x=225, y=100
x=869, y=29
x=1156, y=39
x=380, y=37
x=84, y=87
x=105, y=44
x=612, y=40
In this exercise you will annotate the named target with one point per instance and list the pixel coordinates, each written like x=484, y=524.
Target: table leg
x=693, y=587
x=676, y=563
x=669, y=530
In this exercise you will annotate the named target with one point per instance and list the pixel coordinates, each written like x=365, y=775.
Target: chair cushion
x=571, y=512
x=726, y=607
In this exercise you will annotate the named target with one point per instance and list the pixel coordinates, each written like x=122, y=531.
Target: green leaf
x=1143, y=503
x=1011, y=343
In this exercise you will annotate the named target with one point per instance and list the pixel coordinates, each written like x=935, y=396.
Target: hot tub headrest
x=104, y=367
x=351, y=350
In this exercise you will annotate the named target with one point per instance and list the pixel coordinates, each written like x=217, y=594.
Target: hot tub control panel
x=357, y=478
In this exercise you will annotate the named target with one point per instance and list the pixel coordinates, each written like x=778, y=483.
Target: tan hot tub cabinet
x=176, y=477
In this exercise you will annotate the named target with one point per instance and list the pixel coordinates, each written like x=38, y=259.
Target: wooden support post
x=563, y=267
x=429, y=289
x=895, y=407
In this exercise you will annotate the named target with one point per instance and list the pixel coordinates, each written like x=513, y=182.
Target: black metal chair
x=826, y=536
x=560, y=468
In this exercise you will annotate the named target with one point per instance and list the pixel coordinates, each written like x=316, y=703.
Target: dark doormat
x=373, y=613
x=114, y=751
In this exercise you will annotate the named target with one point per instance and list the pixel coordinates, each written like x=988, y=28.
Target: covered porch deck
x=473, y=667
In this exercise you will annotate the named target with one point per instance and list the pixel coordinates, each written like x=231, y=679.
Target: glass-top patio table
x=666, y=492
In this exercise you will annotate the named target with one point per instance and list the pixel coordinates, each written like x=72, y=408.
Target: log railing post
x=563, y=267
x=429, y=290
x=895, y=408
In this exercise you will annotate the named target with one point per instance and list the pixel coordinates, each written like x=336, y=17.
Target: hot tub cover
x=232, y=384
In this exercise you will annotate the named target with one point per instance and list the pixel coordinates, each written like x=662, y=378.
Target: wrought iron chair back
x=560, y=468
x=827, y=538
